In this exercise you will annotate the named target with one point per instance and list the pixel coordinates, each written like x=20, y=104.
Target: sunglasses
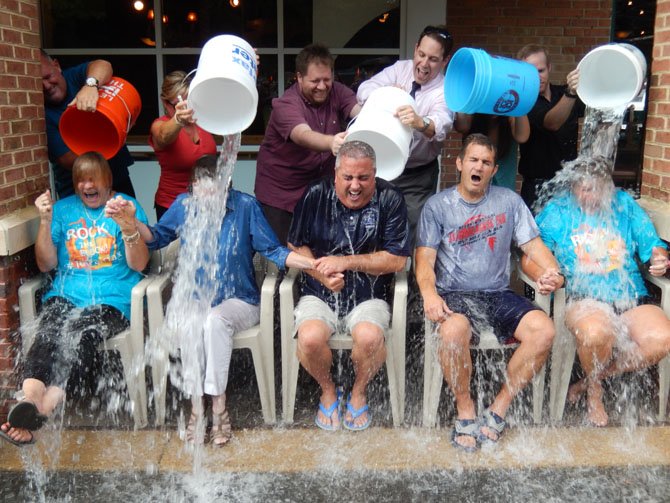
x=440, y=32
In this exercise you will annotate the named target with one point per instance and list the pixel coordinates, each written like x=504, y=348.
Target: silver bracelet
x=132, y=239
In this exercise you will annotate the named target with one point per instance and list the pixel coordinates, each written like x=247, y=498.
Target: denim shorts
x=312, y=308
x=498, y=311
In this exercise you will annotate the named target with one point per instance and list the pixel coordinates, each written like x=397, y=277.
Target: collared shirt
x=542, y=154
x=327, y=227
x=244, y=231
x=284, y=169
x=429, y=103
x=75, y=78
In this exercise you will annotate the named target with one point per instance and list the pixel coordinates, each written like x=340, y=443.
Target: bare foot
x=576, y=391
x=20, y=435
x=596, y=414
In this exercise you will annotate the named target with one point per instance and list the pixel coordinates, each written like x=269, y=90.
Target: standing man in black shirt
x=553, y=125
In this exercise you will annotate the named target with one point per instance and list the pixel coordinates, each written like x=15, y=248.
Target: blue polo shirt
x=244, y=231
x=327, y=227
x=75, y=78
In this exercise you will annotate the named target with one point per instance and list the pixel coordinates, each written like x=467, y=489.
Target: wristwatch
x=426, y=123
x=92, y=82
x=569, y=94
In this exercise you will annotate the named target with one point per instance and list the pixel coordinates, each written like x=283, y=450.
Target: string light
x=138, y=5
x=191, y=17
x=165, y=19
x=234, y=3
x=150, y=15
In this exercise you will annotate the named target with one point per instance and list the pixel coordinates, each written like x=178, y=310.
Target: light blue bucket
x=477, y=82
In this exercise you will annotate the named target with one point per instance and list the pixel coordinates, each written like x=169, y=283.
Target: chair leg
x=562, y=360
x=159, y=374
x=432, y=382
x=262, y=380
x=538, y=394
x=290, y=368
x=394, y=391
x=134, y=382
x=663, y=387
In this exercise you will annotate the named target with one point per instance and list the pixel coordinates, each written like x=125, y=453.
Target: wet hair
x=596, y=166
x=174, y=84
x=313, y=53
x=94, y=165
x=356, y=149
x=204, y=167
x=477, y=139
x=530, y=49
x=440, y=34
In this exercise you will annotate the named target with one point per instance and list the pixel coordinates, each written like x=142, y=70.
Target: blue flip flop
x=355, y=413
x=328, y=412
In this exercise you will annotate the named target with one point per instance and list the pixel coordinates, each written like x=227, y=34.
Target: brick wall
x=23, y=160
x=656, y=164
x=569, y=29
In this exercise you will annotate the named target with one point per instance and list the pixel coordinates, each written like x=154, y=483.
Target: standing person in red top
x=177, y=140
x=302, y=137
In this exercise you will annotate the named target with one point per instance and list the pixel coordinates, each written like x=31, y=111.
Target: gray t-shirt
x=473, y=241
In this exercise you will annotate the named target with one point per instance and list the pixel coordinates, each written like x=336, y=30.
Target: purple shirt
x=284, y=169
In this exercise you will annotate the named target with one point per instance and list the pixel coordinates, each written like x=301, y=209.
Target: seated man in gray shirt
x=463, y=271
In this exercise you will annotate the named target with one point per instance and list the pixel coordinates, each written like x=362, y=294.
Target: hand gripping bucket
x=223, y=92
x=106, y=129
x=477, y=82
x=611, y=75
x=377, y=126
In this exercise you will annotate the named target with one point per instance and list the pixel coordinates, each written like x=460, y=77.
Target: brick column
x=656, y=164
x=23, y=162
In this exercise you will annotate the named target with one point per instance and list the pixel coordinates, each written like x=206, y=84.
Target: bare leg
x=454, y=352
x=317, y=359
x=593, y=326
x=368, y=355
x=535, y=334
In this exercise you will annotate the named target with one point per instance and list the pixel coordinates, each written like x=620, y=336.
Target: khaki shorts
x=372, y=311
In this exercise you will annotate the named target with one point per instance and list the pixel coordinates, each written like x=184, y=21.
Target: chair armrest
x=267, y=303
x=155, y=307
x=287, y=299
x=542, y=301
x=28, y=299
x=400, y=291
x=663, y=284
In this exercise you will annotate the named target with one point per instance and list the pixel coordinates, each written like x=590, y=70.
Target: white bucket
x=223, y=92
x=377, y=126
x=611, y=75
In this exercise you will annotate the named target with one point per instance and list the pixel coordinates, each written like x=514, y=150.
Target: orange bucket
x=106, y=129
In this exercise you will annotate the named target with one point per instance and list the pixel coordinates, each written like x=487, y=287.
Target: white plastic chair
x=395, y=346
x=432, y=370
x=563, y=357
x=259, y=339
x=129, y=343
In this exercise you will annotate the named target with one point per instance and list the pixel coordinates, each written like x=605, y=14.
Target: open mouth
x=90, y=196
x=476, y=178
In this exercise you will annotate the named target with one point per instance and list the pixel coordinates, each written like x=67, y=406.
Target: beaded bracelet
x=132, y=239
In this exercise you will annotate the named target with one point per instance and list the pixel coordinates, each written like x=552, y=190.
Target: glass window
x=96, y=23
x=191, y=24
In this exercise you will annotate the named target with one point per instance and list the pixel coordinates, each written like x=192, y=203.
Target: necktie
x=415, y=87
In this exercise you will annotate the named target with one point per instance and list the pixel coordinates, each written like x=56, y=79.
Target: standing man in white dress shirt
x=431, y=120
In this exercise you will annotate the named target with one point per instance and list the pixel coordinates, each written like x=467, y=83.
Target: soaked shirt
x=542, y=154
x=597, y=253
x=284, y=169
x=92, y=267
x=327, y=227
x=474, y=240
x=244, y=231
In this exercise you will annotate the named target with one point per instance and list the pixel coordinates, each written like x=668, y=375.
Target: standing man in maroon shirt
x=303, y=136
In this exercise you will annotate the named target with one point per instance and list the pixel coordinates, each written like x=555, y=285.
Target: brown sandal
x=221, y=431
x=191, y=433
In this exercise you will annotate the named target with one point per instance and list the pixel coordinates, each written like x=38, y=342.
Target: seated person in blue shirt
x=597, y=232
x=97, y=261
x=244, y=231
x=356, y=228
